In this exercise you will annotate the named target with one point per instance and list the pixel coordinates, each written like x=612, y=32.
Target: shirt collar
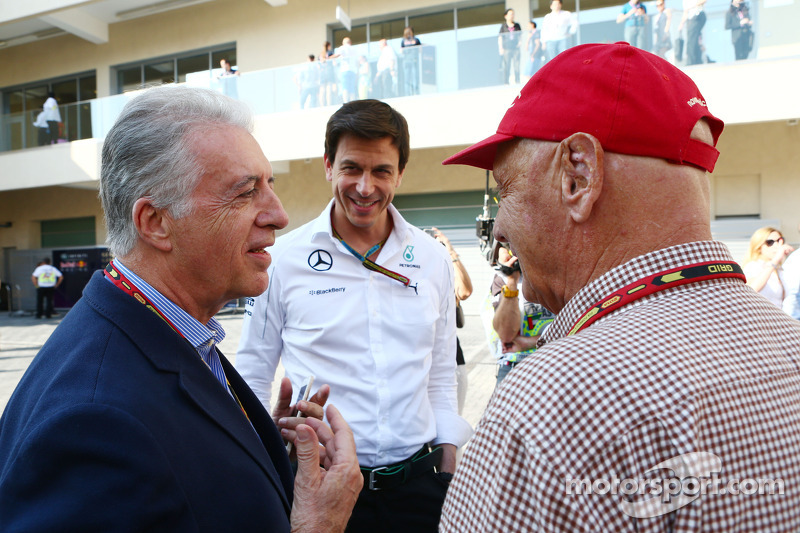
x=198, y=334
x=322, y=227
x=629, y=272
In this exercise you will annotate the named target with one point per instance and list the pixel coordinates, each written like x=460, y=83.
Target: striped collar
x=202, y=337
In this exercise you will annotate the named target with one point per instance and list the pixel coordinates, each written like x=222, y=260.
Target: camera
x=484, y=229
x=508, y=270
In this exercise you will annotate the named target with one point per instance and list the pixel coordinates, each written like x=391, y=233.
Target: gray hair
x=147, y=153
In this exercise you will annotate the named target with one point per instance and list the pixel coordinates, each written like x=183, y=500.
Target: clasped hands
x=328, y=479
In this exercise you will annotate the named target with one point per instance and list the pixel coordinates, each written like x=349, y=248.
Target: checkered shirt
x=705, y=368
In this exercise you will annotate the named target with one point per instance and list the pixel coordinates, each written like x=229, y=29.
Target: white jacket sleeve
x=260, y=345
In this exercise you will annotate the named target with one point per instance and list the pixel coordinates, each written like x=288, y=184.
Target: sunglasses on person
x=770, y=242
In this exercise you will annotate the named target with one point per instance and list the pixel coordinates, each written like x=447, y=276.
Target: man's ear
x=328, y=168
x=152, y=224
x=582, y=175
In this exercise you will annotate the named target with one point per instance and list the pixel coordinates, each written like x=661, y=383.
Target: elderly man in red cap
x=666, y=394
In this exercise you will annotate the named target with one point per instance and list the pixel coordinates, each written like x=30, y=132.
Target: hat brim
x=480, y=154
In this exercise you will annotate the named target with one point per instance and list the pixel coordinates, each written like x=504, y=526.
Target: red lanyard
x=121, y=281
x=655, y=283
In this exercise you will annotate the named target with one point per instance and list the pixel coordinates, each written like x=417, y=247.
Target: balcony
x=457, y=75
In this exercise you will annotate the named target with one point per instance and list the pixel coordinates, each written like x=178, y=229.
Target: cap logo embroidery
x=698, y=101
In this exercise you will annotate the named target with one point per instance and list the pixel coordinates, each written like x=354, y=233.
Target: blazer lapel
x=264, y=426
x=200, y=385
x=169, y=352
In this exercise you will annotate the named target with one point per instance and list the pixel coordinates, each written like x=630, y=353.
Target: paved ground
x=21, y=338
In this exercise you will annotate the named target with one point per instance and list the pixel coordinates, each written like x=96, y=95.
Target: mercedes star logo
x=320, y=260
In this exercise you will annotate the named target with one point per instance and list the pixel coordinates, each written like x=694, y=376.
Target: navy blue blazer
x=118, y=425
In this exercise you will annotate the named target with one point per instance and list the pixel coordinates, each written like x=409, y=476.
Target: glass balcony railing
x=448, y=61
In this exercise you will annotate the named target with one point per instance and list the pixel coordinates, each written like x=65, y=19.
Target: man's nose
x=497, y=231
x=271, y=212
x=365, y=184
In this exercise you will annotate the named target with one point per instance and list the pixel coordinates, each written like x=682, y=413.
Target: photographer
x=516, y=324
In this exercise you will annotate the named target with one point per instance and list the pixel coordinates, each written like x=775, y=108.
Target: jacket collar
x=169, y=352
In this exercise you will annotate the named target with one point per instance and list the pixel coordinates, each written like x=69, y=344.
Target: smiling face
x=527, y=218
x=218, y=249
x=364, y=177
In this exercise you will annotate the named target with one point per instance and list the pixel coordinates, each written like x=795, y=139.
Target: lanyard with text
x=121, y=281
x=655, y=283
x=371, y=265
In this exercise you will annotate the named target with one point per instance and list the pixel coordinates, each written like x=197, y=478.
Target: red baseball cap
x=633, y=101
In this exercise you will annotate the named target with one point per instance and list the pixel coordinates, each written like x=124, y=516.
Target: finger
x=307, y=446
x=326, y=439
x=321, y=429
x=343, y=435
x=289, y=435
x=310, y=409
x=320, y=397
x=283, y=404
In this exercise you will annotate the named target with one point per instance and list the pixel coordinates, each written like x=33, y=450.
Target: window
x=482, y=15
x=174, y=69
x=68, y=232
x=22, y=104
x=432, y=23
x=391, y=26
x=358, y=35
x=443, y=210
x=391, y=29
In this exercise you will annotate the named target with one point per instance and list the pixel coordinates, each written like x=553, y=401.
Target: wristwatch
x=510, y=293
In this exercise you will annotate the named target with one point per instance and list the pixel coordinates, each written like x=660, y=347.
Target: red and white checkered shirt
x=705, y=368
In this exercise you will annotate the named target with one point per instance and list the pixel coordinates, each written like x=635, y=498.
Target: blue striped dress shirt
x=202, y=337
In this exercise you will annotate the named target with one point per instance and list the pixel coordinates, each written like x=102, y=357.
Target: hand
x=520, y=344
x=448, y=463
x=505, y=257
x=442, y=238
x=285, y=415
x=782, y=253
x=324, y=496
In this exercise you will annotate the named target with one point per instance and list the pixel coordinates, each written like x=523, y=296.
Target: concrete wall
x=763, y=156
x=28, y=208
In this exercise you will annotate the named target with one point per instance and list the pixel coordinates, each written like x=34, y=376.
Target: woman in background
x=763, y=266
x=411, y=61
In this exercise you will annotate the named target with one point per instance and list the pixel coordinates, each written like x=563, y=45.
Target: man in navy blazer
x=129, y=418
